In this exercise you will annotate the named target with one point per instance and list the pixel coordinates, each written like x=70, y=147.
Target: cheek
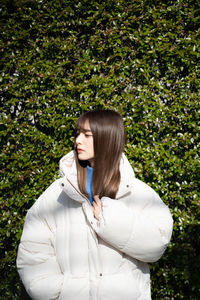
x=91, y=147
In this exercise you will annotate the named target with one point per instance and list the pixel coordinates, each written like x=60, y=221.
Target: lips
x=80, y=150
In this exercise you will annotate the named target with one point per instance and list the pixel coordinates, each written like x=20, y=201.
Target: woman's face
x=84, y=144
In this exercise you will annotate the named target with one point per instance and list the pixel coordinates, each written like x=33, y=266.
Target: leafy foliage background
x=141, y=58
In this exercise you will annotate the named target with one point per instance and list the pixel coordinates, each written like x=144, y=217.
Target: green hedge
x=60, y=58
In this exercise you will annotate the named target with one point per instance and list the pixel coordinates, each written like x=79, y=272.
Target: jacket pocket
x=119, y=286
x=76, y=288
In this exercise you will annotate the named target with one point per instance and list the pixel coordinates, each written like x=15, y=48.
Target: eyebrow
x=84, y=130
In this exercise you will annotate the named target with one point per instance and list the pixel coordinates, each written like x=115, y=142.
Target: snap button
x=91, y=222
x=100, y=274
x=62, y=184
x=127, y=186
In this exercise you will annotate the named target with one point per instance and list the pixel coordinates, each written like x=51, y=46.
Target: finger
x=97, y=200
x=94, y=204
x=97, y=204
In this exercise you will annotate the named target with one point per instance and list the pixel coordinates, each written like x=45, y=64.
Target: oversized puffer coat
x=66, y=254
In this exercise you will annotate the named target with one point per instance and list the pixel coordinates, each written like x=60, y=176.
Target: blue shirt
x=89, y=183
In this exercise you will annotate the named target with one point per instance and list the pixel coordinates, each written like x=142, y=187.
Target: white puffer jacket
x=66, y=254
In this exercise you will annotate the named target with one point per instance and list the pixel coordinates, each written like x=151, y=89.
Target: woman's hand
x=96, y=206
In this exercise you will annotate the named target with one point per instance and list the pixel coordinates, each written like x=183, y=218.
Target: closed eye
x=88, y=135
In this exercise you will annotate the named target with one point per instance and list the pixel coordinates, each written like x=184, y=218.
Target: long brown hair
x=109, y=138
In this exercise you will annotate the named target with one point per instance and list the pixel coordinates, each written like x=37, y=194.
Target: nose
x=79, y=138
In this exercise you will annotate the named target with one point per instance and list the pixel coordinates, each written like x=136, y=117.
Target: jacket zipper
x=100, y=271
x=100, y=274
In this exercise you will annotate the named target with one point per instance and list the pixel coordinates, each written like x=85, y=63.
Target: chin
x=82, y=157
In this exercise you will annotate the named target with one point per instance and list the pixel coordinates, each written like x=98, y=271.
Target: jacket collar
x=69, y=184
x=127, y=175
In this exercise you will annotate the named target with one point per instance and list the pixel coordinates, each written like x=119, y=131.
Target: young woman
x=90, y=235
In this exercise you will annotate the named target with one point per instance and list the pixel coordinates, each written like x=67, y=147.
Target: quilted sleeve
x=140, y=226
x=36, y=261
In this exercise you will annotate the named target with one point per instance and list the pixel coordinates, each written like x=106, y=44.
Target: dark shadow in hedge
x=181, y=262
x=23, y=294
